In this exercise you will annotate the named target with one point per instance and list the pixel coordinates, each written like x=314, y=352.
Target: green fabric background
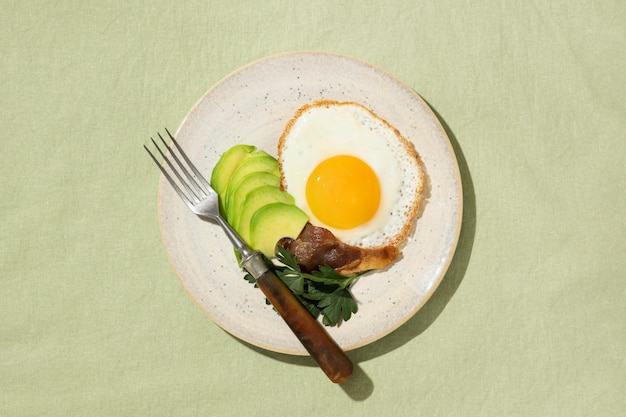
x=529, y=321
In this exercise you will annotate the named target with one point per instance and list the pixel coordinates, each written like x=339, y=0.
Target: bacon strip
x=318, y=246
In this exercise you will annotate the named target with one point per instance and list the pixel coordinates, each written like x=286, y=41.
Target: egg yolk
x=343, y=192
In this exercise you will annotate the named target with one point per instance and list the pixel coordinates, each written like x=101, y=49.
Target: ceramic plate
x=252, y=105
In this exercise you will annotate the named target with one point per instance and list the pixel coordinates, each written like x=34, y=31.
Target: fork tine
x=175, y=186
x=192, y=196
x=201, y=192
x=192, y=166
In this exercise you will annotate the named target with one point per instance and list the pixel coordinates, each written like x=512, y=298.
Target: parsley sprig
x=324, y=292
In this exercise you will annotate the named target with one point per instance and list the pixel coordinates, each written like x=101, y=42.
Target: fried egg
x=351, y=172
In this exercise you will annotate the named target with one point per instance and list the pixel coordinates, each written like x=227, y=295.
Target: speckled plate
x=252, y=105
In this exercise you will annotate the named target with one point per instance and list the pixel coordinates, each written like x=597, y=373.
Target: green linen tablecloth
x=530, y=318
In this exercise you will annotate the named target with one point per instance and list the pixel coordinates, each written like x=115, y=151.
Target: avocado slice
x=259, y=161
x=272, y=222
x=253, y=201
x=255, y=162
x=225, y=166
x=238, y=192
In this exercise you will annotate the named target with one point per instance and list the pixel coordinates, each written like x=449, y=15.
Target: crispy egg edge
x=410, y=212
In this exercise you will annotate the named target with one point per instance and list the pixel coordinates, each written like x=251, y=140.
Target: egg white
x=327, y=129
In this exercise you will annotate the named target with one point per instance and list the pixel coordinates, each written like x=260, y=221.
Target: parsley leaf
x=324, y=292
x=338, y=305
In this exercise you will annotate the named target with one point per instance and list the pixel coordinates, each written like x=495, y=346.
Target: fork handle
x=328, y=355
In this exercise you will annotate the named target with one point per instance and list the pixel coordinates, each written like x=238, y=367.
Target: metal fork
x=197, y=193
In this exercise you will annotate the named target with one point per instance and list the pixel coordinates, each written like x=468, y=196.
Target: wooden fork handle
x=328, y=355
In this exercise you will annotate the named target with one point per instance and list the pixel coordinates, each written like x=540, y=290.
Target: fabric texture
x=530, y=318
